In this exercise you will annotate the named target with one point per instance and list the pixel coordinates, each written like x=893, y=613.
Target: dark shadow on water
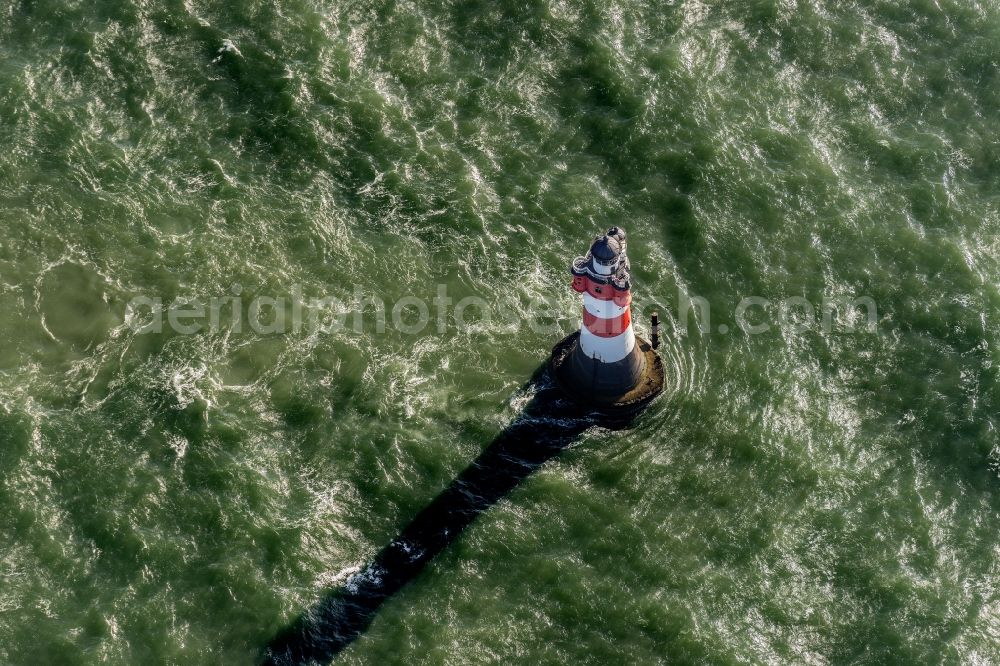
x=547, y=425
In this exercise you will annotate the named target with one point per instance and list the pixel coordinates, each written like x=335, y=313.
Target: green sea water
x=802, y=495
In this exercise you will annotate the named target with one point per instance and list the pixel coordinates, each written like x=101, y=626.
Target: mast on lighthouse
x=605, y=364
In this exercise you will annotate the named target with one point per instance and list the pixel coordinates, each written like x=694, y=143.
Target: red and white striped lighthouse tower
x=605, y=363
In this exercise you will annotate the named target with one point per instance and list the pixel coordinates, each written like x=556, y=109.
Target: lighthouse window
x=597, y=290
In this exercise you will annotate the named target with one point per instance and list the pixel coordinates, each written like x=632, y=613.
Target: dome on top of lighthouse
x=606, y=249
x=617, y=233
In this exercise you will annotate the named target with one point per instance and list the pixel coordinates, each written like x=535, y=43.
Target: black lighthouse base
x=615, y=388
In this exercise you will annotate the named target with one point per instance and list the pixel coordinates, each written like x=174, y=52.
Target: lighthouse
x=609, y=375
x=605, y=364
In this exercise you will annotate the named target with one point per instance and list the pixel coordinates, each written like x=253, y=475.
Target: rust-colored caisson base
x=575, y=377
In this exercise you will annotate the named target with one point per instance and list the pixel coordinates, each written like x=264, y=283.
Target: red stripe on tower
x=607, y=328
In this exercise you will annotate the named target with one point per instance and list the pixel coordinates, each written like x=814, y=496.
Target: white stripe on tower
x=607, y=350
x=602, y=309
